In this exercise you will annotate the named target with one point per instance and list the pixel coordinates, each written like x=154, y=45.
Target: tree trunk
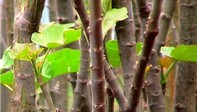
x=27, y=18
x=186, y=75
x=6, y=32
x=126, y=43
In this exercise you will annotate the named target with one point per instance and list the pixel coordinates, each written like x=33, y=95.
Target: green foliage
x=26, y=51
x=56, y=35
x=106, y=5
x=111, y=17
x=113, y=53
x=181, y=52
x=139, y=46
x=167, y=50
x=60, y=62
x=6, y=62
x=7, y=79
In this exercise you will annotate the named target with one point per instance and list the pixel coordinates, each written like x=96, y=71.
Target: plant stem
x=170, y=69
x=43, y=87
x=96, y=47
x=150, y=35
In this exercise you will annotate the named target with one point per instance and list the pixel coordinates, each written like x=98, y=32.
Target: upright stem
x=43, y=87
x=126, y=43
x=96, y=47
x=144, y=10
x=137, y=21
x=27, y=19
x=150, y=35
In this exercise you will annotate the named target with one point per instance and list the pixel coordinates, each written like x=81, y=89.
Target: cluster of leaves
x=50, y=65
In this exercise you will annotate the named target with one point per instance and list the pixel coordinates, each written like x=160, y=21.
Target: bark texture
x=126, y=43
x=27, y=18
x=97, y=66
x=6, y=34
x=154, y=87
x=137, y=21
x=144, y=10
x=150, y=35
x=81, y=91
x=186, y=75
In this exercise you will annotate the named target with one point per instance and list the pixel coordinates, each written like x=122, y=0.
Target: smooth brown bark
x=27, y=18
x=97, y=65
x=186, y=75
x=126, y=43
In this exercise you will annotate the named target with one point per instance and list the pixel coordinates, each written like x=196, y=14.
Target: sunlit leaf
x=53, y=35
x=139, y=46
x=167, y=51
x=6, y=62
x=185, y=53
x=26, y=51
x=61, y=62
x=113, y=53
x=7, y=78
x=112, y=17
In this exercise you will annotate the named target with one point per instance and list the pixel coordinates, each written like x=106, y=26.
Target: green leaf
x=7, y=78
x=139, y=46
x=185, y=53
x=106, y=5
x=53, y=35
x=72, y=35
x=167, y=51
x=6, y=62
x=112, y=17
x=61, y=62
x=26, y=51
x=113, y=53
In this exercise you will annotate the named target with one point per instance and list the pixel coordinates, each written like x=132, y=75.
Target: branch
x=96, y=47
x=150, y=35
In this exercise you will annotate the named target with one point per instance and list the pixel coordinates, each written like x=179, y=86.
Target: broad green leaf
x=61, y=62
x=6, y=61
x=7, y=78
x=113, y=53
x=26, y=51
x=112, y=17
x=185, y=53
x=139, y=46
x=167, y=51
x=72, y=35
x=106, y=5
x=53, y=36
